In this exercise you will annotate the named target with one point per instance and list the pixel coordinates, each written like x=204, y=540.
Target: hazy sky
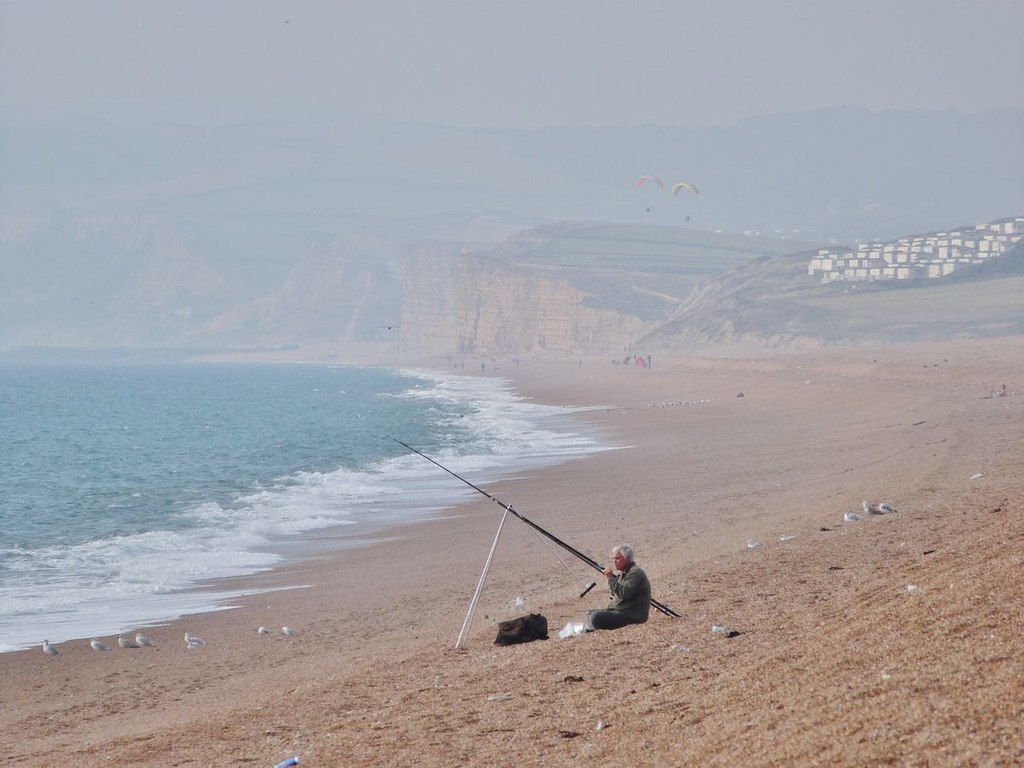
x=508, y=64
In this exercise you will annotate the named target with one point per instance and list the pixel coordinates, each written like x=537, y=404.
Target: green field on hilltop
x=653, y=249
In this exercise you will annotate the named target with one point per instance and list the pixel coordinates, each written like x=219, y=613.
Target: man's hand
x=608, y=571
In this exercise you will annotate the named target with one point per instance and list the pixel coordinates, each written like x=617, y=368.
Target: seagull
x=192, y=641
x=141, y=639
x=125, y=641
x=288, y=631
x=882, y=508
x=520, y=603
x=264, y=630
x=50, y=650
x=97, y=645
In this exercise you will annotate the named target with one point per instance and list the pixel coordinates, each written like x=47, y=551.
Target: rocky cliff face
x=457, y=302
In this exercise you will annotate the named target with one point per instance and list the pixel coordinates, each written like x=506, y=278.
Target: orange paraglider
x=644, y=179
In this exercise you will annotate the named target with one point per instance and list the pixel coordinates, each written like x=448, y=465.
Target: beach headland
x=893, y=639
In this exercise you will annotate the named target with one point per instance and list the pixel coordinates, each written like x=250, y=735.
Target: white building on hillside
x=921, y=256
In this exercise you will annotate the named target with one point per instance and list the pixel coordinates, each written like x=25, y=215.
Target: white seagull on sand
x=141, y=639
x=192, y=641
x=125, y=641
x=264, y=630
x=289, y=632
x=50, y=650
x=98, y=645
x=882, y=508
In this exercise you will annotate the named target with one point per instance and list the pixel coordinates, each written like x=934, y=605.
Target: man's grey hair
x=625, y=550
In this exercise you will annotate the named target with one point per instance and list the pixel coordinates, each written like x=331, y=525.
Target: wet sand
x=895, y=639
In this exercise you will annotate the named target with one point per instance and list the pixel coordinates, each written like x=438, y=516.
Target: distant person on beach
x=631, y=593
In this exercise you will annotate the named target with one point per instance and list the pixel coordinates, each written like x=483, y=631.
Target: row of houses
x=920, y=256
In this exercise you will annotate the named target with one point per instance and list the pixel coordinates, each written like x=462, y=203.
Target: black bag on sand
x=522, y=630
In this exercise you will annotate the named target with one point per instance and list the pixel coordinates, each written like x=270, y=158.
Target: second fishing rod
x=657, y=605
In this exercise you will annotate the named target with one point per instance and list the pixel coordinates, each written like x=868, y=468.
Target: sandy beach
x=894, y=639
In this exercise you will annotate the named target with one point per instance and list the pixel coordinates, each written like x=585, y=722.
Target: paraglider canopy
x=684, y=185
x=644, y=179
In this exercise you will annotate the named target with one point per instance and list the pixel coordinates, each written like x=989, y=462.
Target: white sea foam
x=109, y=585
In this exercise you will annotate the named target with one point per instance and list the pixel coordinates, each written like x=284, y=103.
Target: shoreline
x=368, y=523
x=844, y=666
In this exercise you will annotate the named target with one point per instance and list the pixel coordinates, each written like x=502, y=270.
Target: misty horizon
x=220, y=155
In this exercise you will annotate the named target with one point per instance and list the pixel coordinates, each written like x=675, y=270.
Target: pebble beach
x=842, y=635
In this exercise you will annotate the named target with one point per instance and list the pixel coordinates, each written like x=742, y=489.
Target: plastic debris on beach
x=572, y=628
x=717, y=629
x=851, y=517
x=977, y=476
x=787, y=537
x=679, y=648
x=753, y=543
x=600, y=725
x=911, y=588
x=500, y=697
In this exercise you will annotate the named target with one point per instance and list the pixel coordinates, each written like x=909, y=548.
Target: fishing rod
x=568, y=547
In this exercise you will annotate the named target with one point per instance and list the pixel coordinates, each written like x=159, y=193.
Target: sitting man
x=631, y=593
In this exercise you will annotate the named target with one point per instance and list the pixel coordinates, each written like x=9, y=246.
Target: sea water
x=127, y=491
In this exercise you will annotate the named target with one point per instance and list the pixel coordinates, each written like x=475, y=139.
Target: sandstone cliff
x=465, y=303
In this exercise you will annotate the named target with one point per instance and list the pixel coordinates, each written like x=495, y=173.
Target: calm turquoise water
x=126, y=486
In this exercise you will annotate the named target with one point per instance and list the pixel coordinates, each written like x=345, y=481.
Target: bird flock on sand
x=141, y=641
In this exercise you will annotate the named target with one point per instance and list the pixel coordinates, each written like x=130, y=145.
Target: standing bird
x=50, y=650
x=288, y=631
x=141, y=639
x=125, y=641
x=98, y=645
x=264, y=631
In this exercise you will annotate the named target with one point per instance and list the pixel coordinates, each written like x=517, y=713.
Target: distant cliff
x=466, y=303
x=140, y=282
